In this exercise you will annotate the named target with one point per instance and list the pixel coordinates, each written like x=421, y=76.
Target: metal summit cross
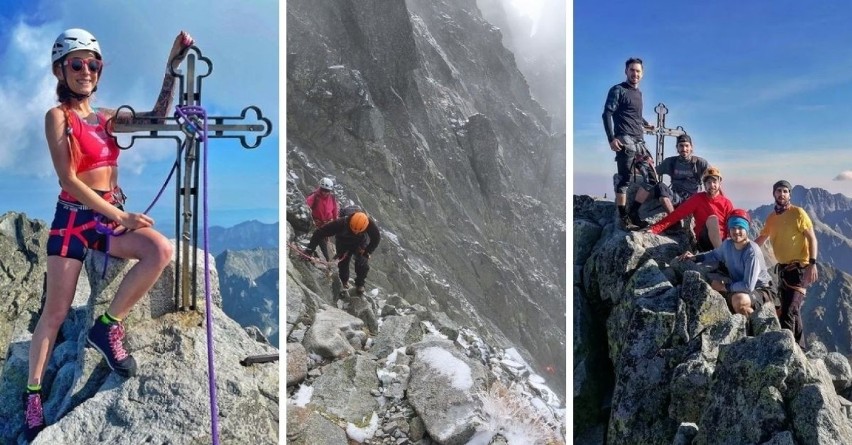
x=661, y=131
x=193, y=126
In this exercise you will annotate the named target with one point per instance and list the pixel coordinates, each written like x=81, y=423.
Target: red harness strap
x=71, y=230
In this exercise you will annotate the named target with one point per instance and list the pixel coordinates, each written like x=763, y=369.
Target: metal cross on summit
x=189, y=128
x=661, y=131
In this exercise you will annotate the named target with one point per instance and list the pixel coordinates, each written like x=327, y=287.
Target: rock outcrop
x=679, y=367
x=168, y=401
x=414, y=378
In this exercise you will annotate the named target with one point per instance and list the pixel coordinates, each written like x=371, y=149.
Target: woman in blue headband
x=749, y=286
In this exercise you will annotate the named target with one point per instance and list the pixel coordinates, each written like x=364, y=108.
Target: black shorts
x=75, y=229
x=704, y=243
x=759, y=297
x=664, y=191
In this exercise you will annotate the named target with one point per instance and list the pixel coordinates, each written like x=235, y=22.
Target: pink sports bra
x=97, y=149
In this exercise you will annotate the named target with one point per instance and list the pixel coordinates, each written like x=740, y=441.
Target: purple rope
x=191, y=128
x=103, y=229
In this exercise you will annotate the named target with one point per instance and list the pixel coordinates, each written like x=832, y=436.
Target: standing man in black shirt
x=625, y=127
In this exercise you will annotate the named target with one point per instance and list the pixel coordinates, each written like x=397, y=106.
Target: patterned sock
x=106, y=318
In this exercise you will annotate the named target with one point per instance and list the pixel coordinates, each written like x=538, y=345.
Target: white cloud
x=241, y=38
x=844, y=176
x=26, y=91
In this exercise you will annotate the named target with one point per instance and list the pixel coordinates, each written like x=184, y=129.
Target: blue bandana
x=737, y=221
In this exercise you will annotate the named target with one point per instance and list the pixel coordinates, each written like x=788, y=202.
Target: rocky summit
x=660, y=359
x=168, y=401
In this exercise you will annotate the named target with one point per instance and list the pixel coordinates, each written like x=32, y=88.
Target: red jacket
x=700, y=205
x=323, y=207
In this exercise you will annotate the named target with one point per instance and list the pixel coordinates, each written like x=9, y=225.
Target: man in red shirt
x=710, y=209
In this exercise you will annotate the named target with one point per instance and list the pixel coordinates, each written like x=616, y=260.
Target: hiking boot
x=359, y=290
x=636, y=220
x=626, y=224
x=33, y=415
x=108, y=340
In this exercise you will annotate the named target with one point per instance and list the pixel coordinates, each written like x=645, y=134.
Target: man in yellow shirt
x=795, y=246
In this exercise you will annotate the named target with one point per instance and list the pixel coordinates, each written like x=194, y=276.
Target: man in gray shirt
x=685, y=171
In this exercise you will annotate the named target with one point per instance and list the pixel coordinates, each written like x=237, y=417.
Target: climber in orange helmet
x=357, y=235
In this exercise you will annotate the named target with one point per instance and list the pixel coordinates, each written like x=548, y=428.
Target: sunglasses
x=77, y=64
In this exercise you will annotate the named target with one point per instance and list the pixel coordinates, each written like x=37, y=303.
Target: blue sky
x=764, y=88
x=135, y=37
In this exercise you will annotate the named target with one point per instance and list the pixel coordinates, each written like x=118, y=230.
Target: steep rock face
x=167, y=402
x=250, y=294
x=540, y=50
x=421, y=115
x=679, y=364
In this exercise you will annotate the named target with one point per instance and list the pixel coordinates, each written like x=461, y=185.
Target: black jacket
x=339, y=228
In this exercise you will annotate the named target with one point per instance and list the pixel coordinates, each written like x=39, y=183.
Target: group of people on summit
x=721, y=231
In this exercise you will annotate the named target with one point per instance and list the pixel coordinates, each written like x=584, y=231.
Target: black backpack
x=349, y=210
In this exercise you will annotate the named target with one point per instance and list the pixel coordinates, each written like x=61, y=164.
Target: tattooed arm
x=167, y=91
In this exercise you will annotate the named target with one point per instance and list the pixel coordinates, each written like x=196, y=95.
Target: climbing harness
x=786, y=268
x=315, y=260
x=643, y=164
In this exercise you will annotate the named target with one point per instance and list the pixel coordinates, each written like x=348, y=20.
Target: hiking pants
x=792, y=298
x=624, y=161
x=323, y=247
x=362, y=264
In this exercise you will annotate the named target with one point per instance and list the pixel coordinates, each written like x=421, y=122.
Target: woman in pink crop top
x=85, y=160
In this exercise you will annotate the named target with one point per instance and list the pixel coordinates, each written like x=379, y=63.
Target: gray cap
x=782, y=183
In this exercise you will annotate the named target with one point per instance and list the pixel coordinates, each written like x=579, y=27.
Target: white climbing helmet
x=327, y=184
x=72, y=40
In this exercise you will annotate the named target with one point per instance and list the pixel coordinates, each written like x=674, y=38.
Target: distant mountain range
x=246, y=235
x=249, y=284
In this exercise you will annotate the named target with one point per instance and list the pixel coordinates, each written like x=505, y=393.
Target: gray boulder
x=334, y=334
x=764, y=385
x=297, y=363
x=396, y=331
x=441, y=389
x=345, y=389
